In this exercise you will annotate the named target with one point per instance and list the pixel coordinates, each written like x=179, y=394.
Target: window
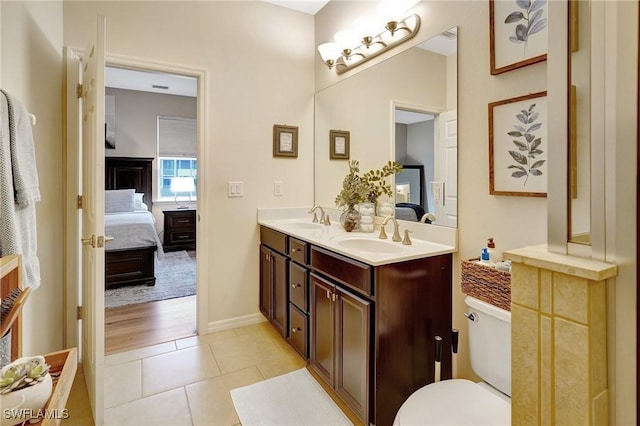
x=176, y=153
x=175, y=167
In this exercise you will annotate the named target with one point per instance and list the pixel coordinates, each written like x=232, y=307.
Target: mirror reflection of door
x=415, y=136
x=426, y=146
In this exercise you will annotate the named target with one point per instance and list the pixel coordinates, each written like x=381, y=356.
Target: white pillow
x=138, y=203
x=118, y=200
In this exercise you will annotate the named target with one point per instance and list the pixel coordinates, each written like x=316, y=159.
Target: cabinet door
x=265, y=282
x=321, y=335
x=353, y=343
x=280, y=303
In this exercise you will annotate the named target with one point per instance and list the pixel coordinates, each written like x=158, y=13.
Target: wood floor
x=145, y=324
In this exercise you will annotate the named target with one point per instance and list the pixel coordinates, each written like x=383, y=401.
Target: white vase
x=24, y=404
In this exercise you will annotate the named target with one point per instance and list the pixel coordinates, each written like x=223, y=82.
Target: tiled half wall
x=558, y=338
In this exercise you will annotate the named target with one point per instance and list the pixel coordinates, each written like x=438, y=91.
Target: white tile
x=148, y=351
x=205, y=339
x=122, y=383
x=164, y=409
x=178, y=368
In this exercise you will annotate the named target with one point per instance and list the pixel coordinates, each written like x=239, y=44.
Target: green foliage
x=23, y=374
x=368, y=187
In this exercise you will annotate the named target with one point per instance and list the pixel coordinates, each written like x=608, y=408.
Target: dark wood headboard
x=128, y=173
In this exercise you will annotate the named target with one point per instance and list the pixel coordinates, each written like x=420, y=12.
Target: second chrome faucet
x=396, y=229
x=324, y=218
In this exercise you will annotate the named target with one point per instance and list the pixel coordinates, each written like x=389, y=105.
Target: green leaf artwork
x=528, y=145
x=532, y=14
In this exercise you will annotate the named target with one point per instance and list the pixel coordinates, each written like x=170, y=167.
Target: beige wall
x=232, y=51
x=31, y=65
x=258, y=76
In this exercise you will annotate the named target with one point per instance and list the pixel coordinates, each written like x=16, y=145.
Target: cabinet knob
x=295, y=250
x=296, y=285
x=267, y=257
x=334, y=297
x=296, y=330
x=328, y=294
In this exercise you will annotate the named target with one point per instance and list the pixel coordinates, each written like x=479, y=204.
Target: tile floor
x=187, y=381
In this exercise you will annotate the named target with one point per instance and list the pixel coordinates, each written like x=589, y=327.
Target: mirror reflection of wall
x=364, y=104
x=580, y=98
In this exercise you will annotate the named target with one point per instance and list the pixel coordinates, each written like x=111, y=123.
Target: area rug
x=292, y=399
x=175, y=277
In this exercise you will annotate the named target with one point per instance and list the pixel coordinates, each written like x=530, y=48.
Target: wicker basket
x=487, y=284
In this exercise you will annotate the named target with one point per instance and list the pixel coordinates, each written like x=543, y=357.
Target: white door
x=93, y=239
x=446, y=173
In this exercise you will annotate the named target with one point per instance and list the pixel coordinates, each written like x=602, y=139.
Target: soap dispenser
x=491, y=248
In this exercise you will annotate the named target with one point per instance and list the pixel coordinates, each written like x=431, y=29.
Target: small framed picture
x=338, y=145
x=285, y=141
x=518, y=34
x=518, y=146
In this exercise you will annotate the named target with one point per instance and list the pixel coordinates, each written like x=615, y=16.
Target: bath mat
x=291, y=399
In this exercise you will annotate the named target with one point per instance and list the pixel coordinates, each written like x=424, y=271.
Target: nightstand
x=179, y=229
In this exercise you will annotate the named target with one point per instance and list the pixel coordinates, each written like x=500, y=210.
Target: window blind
x=177, y=137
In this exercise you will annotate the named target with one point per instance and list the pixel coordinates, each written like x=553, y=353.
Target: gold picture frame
x=285, y=141
x=339, y=145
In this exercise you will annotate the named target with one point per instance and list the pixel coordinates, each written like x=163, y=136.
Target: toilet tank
x=490, y=343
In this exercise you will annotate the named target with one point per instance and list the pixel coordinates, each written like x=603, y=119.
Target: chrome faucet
x=396, y=229
x=315, y=216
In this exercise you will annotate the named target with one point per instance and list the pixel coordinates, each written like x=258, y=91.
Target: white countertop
x=363, y=246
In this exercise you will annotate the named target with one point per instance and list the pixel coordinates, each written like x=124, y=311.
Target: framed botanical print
x=338, y=145
x=518, y=33
x=518, y=146
x=285, y=141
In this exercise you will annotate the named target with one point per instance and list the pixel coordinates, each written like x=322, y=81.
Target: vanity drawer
x=299, y=331
x=274, y=239
x=298, y=286
x=298, y=251
x=349, y=272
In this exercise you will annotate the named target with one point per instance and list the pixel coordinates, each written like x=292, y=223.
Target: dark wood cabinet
x=179, y=230
x=274, y=303
x=340, y=341
x=371, y=329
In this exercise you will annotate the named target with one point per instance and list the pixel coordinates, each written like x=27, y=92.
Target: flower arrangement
x=368, y=187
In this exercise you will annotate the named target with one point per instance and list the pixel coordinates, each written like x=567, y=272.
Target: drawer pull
x=328, y=294
x=183, y=236
x=296, y=285
x=296, y=330
x=295, y=250
x=183, y=220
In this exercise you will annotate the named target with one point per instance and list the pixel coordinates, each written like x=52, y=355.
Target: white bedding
x=131, y=230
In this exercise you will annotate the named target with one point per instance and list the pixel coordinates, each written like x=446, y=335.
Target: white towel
x=19, y=189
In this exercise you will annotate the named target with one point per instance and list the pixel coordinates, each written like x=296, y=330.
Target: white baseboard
x=228, y=324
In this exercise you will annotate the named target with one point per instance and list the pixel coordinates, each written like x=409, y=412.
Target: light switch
x=278, y=189
x=235, y=189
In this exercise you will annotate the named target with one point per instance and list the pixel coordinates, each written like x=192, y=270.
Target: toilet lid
x=454, y=402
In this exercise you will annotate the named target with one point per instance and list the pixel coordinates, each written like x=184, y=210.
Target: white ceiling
x=410, y=117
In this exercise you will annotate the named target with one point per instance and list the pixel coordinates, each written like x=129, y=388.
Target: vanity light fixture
x=368, y=39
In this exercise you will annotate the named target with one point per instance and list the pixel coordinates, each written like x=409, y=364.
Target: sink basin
x=370, y=245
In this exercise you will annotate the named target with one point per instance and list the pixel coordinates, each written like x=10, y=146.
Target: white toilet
x=463, y=402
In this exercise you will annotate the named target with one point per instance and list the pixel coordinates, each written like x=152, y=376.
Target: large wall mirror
x=402, y=109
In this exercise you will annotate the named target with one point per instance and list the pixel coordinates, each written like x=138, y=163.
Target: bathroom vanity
x=364, y=313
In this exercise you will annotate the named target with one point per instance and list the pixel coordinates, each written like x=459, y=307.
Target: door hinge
x=79, y=313
x=79, y=200
x=79, y=91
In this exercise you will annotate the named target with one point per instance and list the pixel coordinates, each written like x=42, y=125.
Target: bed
x=130, y=257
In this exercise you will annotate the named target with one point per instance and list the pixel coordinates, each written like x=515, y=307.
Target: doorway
x=150, y=147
